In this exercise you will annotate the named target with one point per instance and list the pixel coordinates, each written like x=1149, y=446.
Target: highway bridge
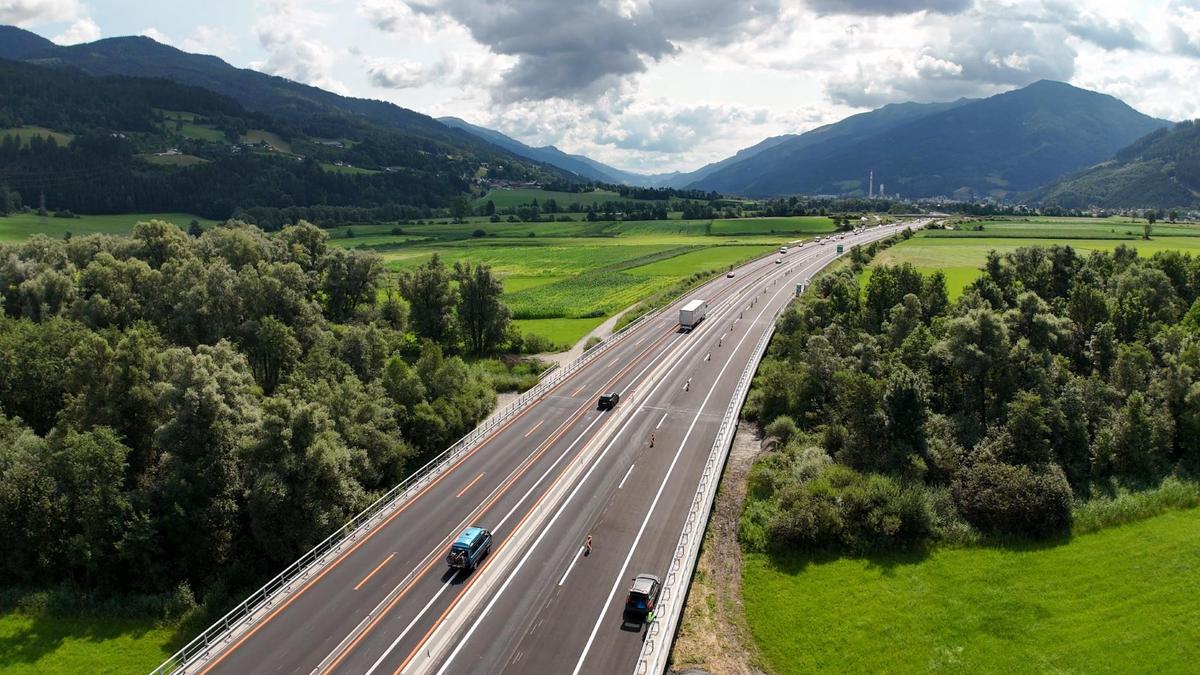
x=542, y=475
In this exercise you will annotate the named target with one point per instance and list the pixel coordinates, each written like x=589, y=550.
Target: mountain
x=1159, y=170
x=548, y=154
x=998, y=146
x=416, y=139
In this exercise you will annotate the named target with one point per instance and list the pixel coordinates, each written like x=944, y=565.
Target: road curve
x=542, y=482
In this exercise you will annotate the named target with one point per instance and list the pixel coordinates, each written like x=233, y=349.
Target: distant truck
x=692, y=313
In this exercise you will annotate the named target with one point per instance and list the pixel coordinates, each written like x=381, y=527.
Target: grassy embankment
x=1125, y=599
x=52, y=644
x=961, y=253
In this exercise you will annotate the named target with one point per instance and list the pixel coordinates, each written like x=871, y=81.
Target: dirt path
x=713, y=635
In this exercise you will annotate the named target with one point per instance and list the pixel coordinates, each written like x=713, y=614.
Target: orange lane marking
x=576, y=392
x=379, y=567
x=535, y=428
x=464, y=490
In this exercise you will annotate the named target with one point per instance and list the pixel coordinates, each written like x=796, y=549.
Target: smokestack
x=871, y=190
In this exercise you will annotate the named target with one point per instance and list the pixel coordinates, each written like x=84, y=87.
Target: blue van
x=471, y=546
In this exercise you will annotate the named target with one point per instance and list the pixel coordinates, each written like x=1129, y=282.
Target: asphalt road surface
x=542, y=482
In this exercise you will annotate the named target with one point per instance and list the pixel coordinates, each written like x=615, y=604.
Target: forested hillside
x=998, y=146
x=1160, y=170
x=905, y=419
x=123, y=144
x=200, y=410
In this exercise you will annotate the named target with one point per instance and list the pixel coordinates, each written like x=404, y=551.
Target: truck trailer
x=692, y=313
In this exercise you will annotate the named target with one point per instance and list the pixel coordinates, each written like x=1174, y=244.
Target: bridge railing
x=262, y=601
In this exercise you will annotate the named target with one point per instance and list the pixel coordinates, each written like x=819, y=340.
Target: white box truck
x=692, y=313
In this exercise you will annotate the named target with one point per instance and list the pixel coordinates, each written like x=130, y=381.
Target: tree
x=1027, y=427
x=482, y=316
x=89, y=469
x=351, y=279
x=430, y=299
x=272, y=350
x=194, y=229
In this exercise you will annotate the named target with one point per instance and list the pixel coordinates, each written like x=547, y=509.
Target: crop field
x=1125, y=599
x=19, y=226
x=789, y=225
x=27, y=132
x=960, y=258
x=351, y=170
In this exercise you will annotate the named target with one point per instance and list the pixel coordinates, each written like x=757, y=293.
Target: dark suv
x=642, y=596
x=608, y=401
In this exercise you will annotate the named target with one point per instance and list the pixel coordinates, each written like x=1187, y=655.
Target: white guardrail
x=260, y=602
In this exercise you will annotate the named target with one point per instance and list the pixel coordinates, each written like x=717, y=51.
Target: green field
x=351, y=170
x=790, y=225
x=505, y=198
x=27, y=132
x=1121, y=600
x=1069, y=228
x=960, y=258
x=260, y=136
x=19, y=226
x=173, y=160
x=36, y=644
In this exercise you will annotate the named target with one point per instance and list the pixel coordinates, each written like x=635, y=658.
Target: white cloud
x=80, y=30
x=284, y=30
x=34, y=12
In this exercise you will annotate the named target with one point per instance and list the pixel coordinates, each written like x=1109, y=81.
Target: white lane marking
x=535, y=428
x=410, y=625
x=658, y=495
x=664, y=419
x=571, y=566
x=626, y=476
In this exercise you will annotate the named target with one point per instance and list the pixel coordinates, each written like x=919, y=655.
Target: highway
x=542, y=482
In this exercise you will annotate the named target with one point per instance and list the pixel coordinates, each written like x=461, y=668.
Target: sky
x=668, y=85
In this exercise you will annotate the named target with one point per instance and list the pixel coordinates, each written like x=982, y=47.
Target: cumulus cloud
x=888, y=7
x=449, y=70
x=80, y=30
x=581, y=48
x=283, y=29
x=1183, y=27
x=973, y=59
x=30, y=12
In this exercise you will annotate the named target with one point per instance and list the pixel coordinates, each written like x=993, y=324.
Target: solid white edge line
x=412, y=623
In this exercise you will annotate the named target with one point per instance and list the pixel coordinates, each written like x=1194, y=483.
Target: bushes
x=835, y=507
x=1014, y=500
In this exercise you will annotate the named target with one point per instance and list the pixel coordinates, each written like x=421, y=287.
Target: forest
x=193, y=412
x=901, y=418
x=116, y=123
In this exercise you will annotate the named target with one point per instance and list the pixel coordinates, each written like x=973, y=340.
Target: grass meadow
x=959, y=254
x=18, y=226
x=1125, y=599
x=46, y=644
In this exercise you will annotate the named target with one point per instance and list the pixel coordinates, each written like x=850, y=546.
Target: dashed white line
x=622, y=484
x=571, y=566
x=664, y=419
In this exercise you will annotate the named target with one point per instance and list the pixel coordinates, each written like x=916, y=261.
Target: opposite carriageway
x=381, y=599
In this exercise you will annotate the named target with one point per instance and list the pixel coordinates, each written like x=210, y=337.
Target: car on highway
x=779, y=261
x=608, y=401
x=643, y=593
x=469, y=548
x=729, y=275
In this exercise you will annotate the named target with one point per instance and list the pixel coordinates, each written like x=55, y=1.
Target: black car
x=642, y=596
x=608, y=401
